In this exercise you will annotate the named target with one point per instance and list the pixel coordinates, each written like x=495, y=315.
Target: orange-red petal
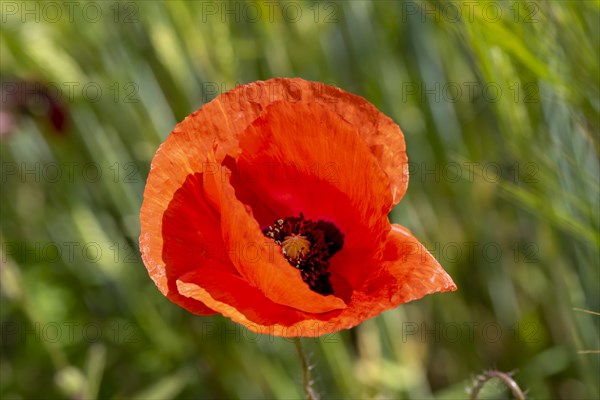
x=333, y=177
x=235, y=298
x=259, y=260
x=191, y=239
x=414, y=270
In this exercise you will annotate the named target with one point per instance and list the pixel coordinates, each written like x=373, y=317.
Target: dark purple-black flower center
x=308, y=245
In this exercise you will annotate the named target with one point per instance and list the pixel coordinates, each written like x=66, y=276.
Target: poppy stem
x=480, y=381
x=308, y=390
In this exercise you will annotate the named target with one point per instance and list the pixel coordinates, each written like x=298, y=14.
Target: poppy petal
x=334, y=178
x=415, y=271
x=184, y=153
x=235, y=298
x=191, y=229
x=382, y=136
x=407, y=272
x=259, y=260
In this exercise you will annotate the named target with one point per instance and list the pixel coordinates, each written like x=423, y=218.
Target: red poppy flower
x=269, y=205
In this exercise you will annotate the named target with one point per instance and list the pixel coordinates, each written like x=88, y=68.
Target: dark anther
x=308, y=245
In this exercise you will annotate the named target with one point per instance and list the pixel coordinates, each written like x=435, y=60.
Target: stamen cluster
x=308, y=245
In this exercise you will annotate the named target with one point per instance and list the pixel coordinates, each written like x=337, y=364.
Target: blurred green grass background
x=499, y=103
